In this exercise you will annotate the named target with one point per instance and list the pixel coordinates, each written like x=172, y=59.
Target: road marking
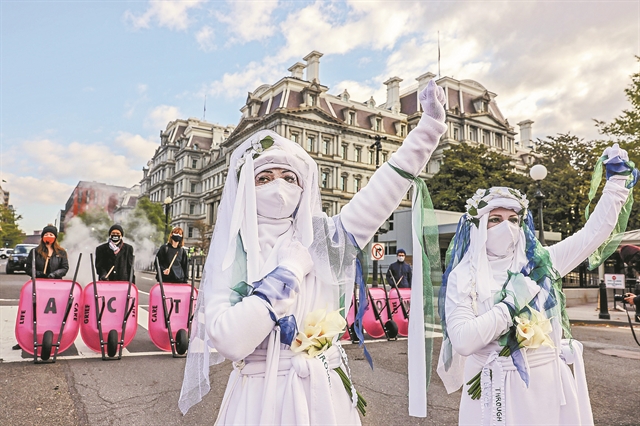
x=143, y=292
x=147, y=278
x=9, y=300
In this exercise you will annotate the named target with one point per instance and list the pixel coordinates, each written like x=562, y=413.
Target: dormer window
x=377, y=124
x=371, y=103
x=350, y=117
x=344, y=96
x=313, y=100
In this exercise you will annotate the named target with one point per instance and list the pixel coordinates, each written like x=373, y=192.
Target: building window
x=193, y=187
x=358, y=155
x=343, y=183
x=194, y=164
x=351, y=118
x=499, y=143
x=294, y=137
x=310, y=140
x=356, y=184
x=384, y=157
x=343, y=152
x=403, y=130
x=378, y=125
x=312, y=100
x=190, y=232
x=456, y=133
x=326, y=146
x=391, y=222
x=192, y=208
x=326, y=209
x=473, y=134
x=325, y=180
x=391, y=248
x=485, y=138
x=371, y=157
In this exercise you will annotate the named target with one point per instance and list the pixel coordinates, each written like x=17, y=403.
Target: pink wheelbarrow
x=171, y=308
x=377, y=320
x=109, y=315
x=48, y=315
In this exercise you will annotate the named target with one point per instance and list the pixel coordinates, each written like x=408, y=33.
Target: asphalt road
x=143, y=390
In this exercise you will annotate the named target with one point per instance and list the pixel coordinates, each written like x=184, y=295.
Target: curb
x=600, y=322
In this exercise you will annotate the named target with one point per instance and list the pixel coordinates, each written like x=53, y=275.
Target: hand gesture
x=432, y=99
x=295, y=257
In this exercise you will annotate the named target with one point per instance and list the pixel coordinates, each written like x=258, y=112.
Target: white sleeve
x=371, y=206
x=470, y=333
x=239, y=330
x=570, y=252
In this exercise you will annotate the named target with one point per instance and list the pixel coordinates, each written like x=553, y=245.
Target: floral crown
x=256, y=148
x=483, y=197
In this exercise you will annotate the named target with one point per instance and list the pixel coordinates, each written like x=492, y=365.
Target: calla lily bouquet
x=318, y=331
x=531, y=329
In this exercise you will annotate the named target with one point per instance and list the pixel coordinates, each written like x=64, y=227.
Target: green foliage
x=569, y=161
x=625, y=130
x=627, y=125
x=98, y=221
x=10, y=232
x=147, y=212
x=466, y=169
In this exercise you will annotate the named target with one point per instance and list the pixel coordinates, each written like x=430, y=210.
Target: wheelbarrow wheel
x=47, y=342
x=112, y=343
x=352, y=334
x=182, y=341
x=391, y=328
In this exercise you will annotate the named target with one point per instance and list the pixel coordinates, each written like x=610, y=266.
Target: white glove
x=432, y=99
x=613, y=152
x=295, y=257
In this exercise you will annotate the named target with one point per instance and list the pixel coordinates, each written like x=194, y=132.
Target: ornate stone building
x=338, y=133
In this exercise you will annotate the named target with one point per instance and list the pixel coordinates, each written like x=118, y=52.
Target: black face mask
x=115, y=238
x=176, y=238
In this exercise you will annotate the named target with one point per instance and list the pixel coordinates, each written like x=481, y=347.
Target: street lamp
x=377, y=145
x=167, y=203
x=538, y=173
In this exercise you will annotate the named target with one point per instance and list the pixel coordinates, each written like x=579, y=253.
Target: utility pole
x=378, y=147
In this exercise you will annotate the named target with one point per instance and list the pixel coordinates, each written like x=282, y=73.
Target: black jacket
x=122, y=263
x=399, y=270
x=179, y=270
x=57, y=268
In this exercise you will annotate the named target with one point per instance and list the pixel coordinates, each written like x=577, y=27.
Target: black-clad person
x=399, y=272
x=114, y=259
x=173, y=258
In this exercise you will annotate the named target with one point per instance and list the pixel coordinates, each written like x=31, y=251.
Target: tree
x=203, y=229
x=625, y=130
x=10, y=232
x=467, y=168
x=147, y=213
x=98, y=221
x=569, y=161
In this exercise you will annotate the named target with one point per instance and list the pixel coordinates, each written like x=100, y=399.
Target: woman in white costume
x=274, y=258
x=498, y=277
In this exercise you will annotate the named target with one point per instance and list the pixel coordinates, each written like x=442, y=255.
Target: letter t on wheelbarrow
x=171, y=308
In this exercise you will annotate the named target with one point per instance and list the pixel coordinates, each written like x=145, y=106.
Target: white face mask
x=277, y=199
x=502, y=239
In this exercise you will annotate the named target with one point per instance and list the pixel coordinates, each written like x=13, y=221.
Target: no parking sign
x=377, y=251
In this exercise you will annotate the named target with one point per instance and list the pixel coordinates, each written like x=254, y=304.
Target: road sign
x=377, y=251
x=614, y=280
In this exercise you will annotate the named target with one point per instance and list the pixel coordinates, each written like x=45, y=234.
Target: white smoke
x=80, y=238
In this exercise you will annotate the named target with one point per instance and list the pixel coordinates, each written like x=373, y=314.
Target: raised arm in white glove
x=370, y=207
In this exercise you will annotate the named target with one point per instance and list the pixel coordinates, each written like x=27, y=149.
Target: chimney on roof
x=525, y=134
x=424, y=79
x=393, y=94
x=297, y=70
x=313, y=66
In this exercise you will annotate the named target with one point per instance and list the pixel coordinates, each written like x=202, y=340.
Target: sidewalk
x=589, y=314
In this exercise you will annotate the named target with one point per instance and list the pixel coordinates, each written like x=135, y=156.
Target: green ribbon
x=426, y=228
x=610, y=245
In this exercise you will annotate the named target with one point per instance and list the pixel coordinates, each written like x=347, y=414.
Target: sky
x=87, y=86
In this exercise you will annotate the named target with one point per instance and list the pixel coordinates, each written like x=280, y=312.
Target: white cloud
x=172, y=14
x=138, y=148
x=142, y=88
x=249, y=21
x=160, y=116
x=205, y=38
x=253, y=75
x=33, y=190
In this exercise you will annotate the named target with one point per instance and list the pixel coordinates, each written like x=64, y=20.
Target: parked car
x=5, y=252
x=18, y=259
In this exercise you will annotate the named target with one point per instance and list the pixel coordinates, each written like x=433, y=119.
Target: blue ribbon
x=288, y=325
